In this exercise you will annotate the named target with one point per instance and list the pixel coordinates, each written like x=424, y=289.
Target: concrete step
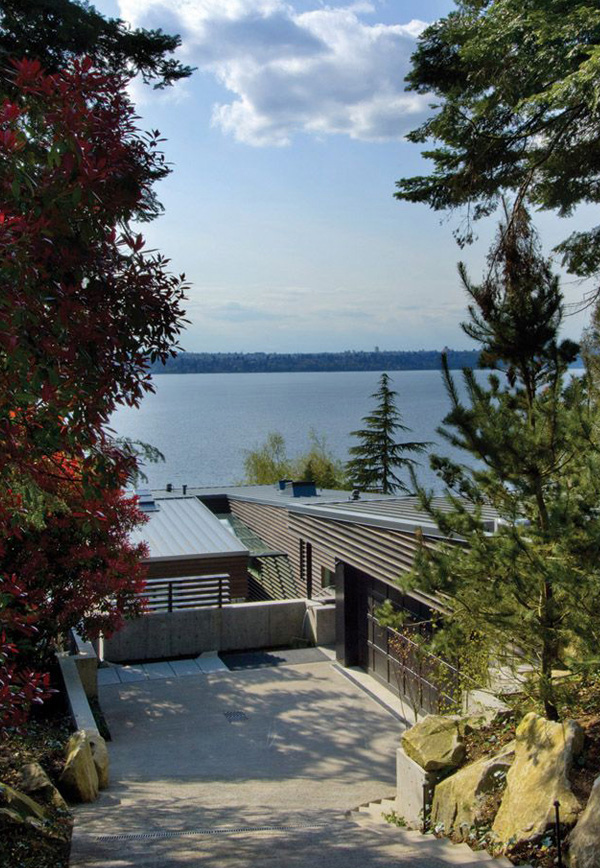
x=430, y=847
x=371, y=816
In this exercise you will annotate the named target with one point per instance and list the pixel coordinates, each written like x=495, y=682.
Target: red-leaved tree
x=79, y=569
x=84, y=309
x=21, y=686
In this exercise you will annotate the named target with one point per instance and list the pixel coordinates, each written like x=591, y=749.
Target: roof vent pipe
x=169, y=486
x=184, y=489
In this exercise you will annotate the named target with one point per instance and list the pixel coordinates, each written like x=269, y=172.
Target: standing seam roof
x=184, y=527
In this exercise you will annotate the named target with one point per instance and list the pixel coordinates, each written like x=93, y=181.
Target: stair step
x=369, y=816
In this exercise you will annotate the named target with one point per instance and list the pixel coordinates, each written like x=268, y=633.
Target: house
x=336, y=544
x=186, y=541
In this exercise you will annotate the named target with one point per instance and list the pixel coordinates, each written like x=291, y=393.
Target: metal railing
x=435, y=684
x=186, y=592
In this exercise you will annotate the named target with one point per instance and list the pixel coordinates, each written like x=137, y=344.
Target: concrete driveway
x=291, y=746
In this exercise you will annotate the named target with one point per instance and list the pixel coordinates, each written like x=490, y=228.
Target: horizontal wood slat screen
x=190, y=592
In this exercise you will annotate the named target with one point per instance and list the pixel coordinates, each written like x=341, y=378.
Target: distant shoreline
x=291, y=363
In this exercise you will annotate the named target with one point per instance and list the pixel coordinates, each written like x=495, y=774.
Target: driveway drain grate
x=223, y=830
x=235, y=715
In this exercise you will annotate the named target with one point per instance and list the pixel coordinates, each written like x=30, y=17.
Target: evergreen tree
x=55, y=31
x=533, y=584
x=513, y=92
x=378, y=454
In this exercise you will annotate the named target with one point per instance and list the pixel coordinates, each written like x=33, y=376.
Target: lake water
x=203, y=423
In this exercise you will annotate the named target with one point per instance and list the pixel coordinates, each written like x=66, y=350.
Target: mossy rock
x=584, y=842
x=79, y=779
x=34, y=781
x=460, y=798
x=435, y=743
x=19, y=807
x=538, y=777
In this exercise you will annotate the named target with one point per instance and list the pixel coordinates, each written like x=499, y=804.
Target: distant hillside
x=260, y=363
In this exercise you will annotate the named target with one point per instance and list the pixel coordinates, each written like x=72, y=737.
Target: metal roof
x=402, y=513
x=380, y=510
x=269, y=494
x=182, y=527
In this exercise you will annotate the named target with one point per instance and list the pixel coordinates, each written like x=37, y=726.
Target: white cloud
x=322, y=72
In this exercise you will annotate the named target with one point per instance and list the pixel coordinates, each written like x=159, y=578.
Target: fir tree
x=378, y=455
x=532, y=584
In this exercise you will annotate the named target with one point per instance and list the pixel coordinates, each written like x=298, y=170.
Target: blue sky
x=286, y=145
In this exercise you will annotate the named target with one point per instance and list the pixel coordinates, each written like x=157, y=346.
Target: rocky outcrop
x=79, y=780
x=435, y=743
x=459, y=799
x=35, y=782
x=100, y=756
x=19, y=807
x=584, y=842
x=538, y=776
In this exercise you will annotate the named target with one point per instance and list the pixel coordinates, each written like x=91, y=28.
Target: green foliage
x=532, y=583
x=78, y=29
x=378, y=454
x=269, y=462
x=395, y=819
x=515, y=92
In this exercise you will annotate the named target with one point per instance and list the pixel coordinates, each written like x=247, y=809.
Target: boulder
x=100, y=756
x=539, y=775
x=20, y=807
x=481, y=718
x=584, y=842
x=34, y=780
x=459, y=799
x=79, y=780
x=435, y=743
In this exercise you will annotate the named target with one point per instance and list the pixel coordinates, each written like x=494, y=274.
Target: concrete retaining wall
x=410, y=781
x=321, y=622
x=79, y=707
x=238, y=627
x=86, y=661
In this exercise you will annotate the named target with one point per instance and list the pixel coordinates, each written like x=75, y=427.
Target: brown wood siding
x=271, y=523
x=381, y=552
x=235, y=566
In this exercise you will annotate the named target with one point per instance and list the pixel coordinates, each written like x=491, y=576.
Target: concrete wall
x=79, y=708
x=410, y=781
x=321, y=622
x=190, y=632
x=86, y=661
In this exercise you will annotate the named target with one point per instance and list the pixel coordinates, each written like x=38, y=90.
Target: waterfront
x=202, y=423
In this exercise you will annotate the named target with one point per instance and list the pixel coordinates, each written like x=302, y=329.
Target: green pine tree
x=532, y=584
x=379, y=455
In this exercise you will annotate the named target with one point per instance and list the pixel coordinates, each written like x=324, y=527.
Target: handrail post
x=170, y=599
x=559, y=860
x=425, y=807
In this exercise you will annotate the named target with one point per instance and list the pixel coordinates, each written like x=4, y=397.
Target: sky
x=285, y=146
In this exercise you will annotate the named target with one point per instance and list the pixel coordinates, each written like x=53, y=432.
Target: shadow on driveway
x=306, y=746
